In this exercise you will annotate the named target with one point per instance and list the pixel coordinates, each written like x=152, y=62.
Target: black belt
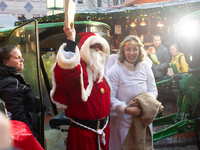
x=89, y=123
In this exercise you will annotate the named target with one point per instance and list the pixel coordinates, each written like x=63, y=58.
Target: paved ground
x=56, y=138
x=182, y=142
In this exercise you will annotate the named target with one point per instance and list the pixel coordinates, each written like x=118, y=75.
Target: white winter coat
x=127, y=82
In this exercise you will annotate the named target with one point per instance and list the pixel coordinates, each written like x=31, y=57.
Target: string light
x=140, y=14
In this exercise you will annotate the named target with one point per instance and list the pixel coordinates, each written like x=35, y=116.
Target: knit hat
x=87, y=39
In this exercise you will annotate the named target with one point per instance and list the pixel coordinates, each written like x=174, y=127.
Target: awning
x=135, y=2
x=7, y=20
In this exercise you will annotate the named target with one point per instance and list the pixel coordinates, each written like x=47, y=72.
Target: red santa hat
x=87, y=39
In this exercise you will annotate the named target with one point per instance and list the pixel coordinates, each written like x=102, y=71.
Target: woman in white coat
x=129, y=77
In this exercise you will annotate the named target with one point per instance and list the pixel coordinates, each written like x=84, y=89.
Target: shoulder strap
x=179, y=61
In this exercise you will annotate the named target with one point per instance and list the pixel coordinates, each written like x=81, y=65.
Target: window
x=99, y=3
x=36, y=15
x=50, y=12
x=122, y=1
x=80, y=2
x=21, y=17
x=118, y=2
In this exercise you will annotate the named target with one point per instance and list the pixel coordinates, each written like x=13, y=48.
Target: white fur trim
x=59, y=105
x=85, y=52
x=121, y=108
x=66, y=63
x=108, y=82
x=86, y=93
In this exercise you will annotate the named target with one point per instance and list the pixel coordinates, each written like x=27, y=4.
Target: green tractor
x=185, y=85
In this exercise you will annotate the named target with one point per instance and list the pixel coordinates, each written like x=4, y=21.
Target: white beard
x=97, y=64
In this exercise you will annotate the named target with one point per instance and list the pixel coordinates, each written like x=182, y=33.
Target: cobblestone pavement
x=173, y=143
x=56, y=138
x=190, y=147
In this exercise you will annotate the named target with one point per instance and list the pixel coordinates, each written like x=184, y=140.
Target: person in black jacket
x=14, y=91
x=163, y=56
x=160, y=70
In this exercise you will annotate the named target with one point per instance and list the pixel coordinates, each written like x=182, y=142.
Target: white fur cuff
x=67, y=63
x=121, y=108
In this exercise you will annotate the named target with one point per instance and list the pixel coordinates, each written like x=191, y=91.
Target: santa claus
x=82, y=89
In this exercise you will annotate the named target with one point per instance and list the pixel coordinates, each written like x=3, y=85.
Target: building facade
x=24, y=9
x=27, y=9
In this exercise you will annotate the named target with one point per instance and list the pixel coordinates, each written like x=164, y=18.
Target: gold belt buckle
x=98, y=124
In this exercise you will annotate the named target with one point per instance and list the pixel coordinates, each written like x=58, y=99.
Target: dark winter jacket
x=164, y=58
x=18, y=98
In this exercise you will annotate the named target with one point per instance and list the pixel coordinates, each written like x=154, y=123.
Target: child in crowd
x=152, y=55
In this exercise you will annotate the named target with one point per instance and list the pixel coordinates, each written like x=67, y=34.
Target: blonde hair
x=121, y=55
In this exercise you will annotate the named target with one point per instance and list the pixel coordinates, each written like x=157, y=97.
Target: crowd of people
x=105, y=99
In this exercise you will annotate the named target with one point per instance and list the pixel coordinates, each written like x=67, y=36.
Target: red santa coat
x=81, y=97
